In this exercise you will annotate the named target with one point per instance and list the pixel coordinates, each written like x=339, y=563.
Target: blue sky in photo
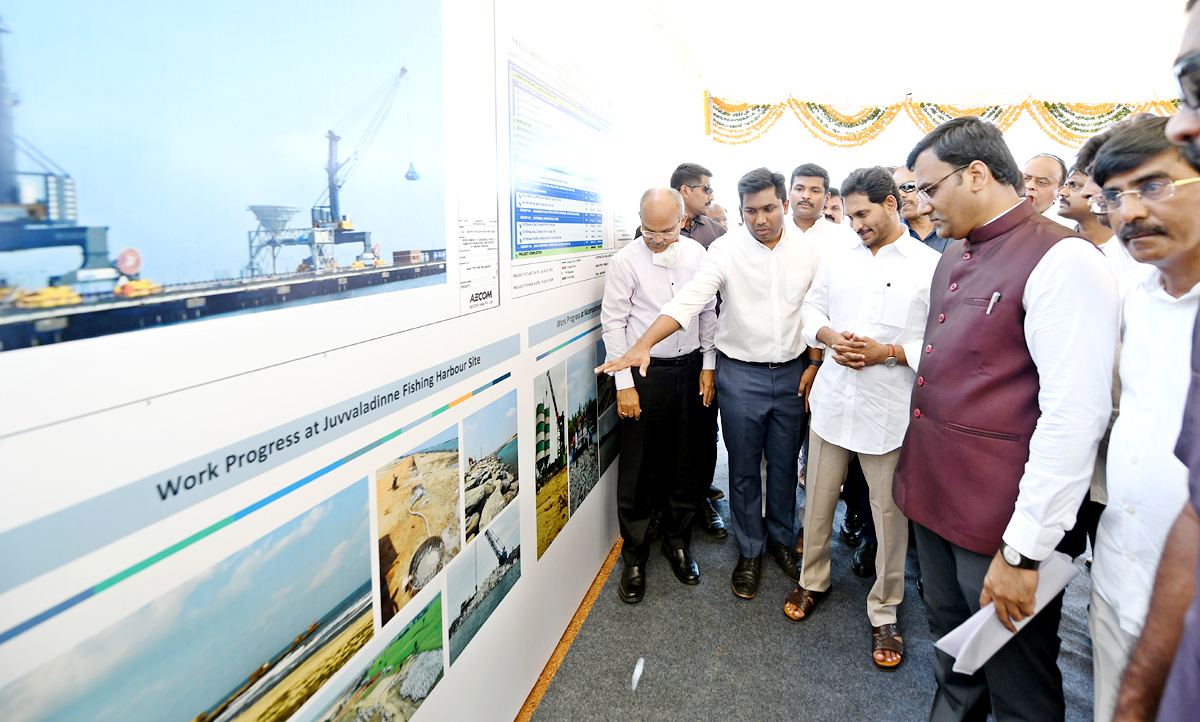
x=174, y=117
x=472, y=568
x=581, y=377
x=488, y=429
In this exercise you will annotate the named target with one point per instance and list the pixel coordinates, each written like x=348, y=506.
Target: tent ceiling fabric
x=861, y=53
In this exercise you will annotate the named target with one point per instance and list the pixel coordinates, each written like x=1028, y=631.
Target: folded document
x=975, y=641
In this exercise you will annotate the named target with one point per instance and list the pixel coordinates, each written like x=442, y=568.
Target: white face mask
x=667, y=257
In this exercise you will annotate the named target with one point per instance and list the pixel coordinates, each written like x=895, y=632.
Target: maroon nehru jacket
x=975, y=404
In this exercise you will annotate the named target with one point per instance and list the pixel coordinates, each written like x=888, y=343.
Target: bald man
x=658, y=411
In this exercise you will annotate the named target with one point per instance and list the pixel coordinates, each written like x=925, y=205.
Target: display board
x=350, y=464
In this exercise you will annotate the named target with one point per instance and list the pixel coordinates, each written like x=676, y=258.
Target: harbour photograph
x=481, y=577
x=249, y=639
x=397, y=681
x=252, y=166
x=418, y=508
x=584, y=470
x=490, y=481
x=550, y=460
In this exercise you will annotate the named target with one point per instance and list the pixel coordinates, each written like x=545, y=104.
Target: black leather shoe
x=745, y=577
x=862, y=562
x=787, y=559
x=714, y=525
x=714, y=493
x=682, y=564
x=633, y=584
x=852, y=527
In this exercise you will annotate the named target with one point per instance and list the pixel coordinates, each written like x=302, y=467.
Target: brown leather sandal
x=886, y=638
x=805, y=601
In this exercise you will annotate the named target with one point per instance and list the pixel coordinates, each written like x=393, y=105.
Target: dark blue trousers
x=761, y=413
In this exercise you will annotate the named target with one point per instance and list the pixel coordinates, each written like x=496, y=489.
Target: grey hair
x=675, y=195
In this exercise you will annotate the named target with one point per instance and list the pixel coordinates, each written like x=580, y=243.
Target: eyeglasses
x=1155, y=190
x=664, y=237
x=1187, y=71
x=908, y=187
x=924, y=193
x=707, y=188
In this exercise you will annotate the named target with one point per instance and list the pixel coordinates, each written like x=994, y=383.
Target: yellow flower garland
x=1069, y=123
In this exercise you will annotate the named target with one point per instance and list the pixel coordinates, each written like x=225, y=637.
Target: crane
x=500, y=550
x=382, y=100
x=558, y=425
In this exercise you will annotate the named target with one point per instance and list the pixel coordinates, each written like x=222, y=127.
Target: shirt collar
x=1153, y=284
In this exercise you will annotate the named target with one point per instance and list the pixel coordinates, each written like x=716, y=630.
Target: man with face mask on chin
x=656, y=439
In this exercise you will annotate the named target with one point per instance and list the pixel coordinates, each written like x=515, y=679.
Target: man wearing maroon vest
x=1013, y=394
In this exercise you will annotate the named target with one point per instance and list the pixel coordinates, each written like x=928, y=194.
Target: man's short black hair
x=835, y=193
x=810, y=170
x=1087, y=152
x=875, y=183
x=1134, y=143
x=760, y=179
x=688, y=173
x=963, y=140
x=1061, y=165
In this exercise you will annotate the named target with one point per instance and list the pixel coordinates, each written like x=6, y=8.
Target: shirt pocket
x=892, y=307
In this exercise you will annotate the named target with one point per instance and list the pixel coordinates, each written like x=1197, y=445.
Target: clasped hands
x=852, y=350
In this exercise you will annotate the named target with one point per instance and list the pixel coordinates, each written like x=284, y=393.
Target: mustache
x=1132, y=230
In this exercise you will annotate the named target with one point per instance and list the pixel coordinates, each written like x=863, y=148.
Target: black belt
x=683, y=360
x=761, y=364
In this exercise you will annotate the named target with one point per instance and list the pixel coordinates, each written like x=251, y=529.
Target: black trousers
x=656, y=460
x=1022, y=681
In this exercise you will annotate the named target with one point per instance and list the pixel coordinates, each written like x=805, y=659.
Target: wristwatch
x=891, y=359
x=1017, y=559
x=814, y=362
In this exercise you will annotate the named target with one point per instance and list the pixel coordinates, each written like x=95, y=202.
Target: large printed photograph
x=249, y=639
x=183, y=164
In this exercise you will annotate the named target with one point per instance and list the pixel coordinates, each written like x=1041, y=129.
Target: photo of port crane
x=128, y=263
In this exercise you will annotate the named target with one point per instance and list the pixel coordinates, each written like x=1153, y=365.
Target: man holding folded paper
x=1013, y=394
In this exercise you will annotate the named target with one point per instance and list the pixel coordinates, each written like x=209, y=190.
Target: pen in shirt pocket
x=995, y=297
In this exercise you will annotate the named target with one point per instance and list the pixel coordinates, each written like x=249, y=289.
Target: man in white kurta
x=869, y=305
x=1150, y=196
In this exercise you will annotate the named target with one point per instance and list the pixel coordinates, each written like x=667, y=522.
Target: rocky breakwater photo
x=490, y=485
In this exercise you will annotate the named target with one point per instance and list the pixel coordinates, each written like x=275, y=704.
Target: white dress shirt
x=1147, y=483
x=1071, y=305
x=1129, y=272
x=762, y=290
x=634, y=291
x=883, y=296
x=826, y=235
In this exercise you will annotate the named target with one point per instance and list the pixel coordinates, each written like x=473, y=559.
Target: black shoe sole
x=630, y=599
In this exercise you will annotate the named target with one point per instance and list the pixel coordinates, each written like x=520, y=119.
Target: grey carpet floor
x=709, y=655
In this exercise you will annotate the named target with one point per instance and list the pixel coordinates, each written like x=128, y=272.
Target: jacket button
x=916, y=413
x=920, y=381
x=953, y=286
x=929, y=348
x=941, y=318
x=967, y=256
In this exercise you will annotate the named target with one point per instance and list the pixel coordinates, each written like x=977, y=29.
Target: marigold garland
x=1069, y=123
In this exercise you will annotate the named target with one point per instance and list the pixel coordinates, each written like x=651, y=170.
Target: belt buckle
x=773, y=365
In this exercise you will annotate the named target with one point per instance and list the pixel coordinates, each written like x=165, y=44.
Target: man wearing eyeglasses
x=1150, y=194
x=762, y=271
x=1012, y=395
x=919, y=226
x=658, y=410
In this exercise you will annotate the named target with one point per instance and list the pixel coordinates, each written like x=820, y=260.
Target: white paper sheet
x=975, y=641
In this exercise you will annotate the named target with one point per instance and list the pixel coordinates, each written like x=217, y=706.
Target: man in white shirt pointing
x=762, y=269
x=877, y=297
